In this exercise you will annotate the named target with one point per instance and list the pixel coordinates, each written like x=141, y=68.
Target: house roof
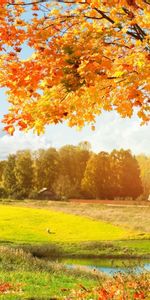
x=42, y=190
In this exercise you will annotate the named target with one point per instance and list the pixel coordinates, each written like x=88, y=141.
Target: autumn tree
x=3, y=193
x=85, y=146
x=24, y=173
x=88, y=183
x=63, y=188
x=97, y=177
x=103, y=180
x=113, y=175
x=144, y=164
x=46, y=168
x=116, y=171
x=130, y=181
x=2, y=168
x=9, y=178
x=86, y=56
x=73, y=160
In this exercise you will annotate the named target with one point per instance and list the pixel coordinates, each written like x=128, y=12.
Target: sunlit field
x=29, y=225
x=29, y=233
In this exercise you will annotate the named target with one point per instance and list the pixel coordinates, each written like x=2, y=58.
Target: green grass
x=32, y=277
x=28, y=225
x=36, y=279
x=142, y=246
x=42, y=284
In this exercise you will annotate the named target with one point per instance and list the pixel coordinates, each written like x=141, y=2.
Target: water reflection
x=110, y=266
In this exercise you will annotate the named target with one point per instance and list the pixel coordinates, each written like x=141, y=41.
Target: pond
x=110, y=266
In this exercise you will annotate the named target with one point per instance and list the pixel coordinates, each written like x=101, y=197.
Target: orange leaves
x=3, y=2
x=119, y=287
x=7, y=287
x=84, y=58
x=22, y=125
x=10, y=129
x=94, y=3
x=133, y=3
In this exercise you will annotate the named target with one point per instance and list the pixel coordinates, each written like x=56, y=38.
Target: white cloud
x=115, y=132
x=20, y=141
x=112, y=132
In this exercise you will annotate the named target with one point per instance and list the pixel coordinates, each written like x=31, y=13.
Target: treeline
x=74, y=172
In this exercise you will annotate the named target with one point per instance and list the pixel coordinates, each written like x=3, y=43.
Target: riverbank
x=23, y=276
x=120, y=249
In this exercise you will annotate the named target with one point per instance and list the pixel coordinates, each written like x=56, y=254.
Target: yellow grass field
x=29, y=225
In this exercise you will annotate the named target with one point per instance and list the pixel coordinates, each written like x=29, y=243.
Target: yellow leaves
x=38, y=127
x=138, y=43
x=33, y=56
x=43, y=84
x=140, y=63
x=27, y=78
x=118, y=73
x=55, y=12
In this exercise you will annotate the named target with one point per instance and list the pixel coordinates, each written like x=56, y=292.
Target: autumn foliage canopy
x=84, y=56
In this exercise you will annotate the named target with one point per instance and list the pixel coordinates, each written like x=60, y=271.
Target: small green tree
x=24, y=173
x=9, y=177
x=2, y=168
x=73, y=160
x=88, y=184
x=46, y=168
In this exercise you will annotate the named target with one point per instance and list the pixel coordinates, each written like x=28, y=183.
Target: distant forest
x=75, y=172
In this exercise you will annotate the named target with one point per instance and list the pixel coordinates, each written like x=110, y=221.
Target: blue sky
x=112, y=132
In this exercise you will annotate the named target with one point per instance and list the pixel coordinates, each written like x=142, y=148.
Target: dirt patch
x=111, y=202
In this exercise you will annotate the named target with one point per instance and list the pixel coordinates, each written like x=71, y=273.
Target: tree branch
x=104, y=15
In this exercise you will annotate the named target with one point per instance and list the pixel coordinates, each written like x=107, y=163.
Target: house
x=46, y=194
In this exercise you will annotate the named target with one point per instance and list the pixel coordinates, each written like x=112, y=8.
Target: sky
x=112, y=132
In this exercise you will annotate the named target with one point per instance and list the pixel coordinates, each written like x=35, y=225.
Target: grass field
x=81, y=230
x=29, y=225
x=131, y=217
x=76, y=231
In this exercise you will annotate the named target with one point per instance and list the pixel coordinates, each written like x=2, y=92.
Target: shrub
x=3, y=193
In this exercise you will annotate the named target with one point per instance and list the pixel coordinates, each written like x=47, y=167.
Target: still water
x=109, y=266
